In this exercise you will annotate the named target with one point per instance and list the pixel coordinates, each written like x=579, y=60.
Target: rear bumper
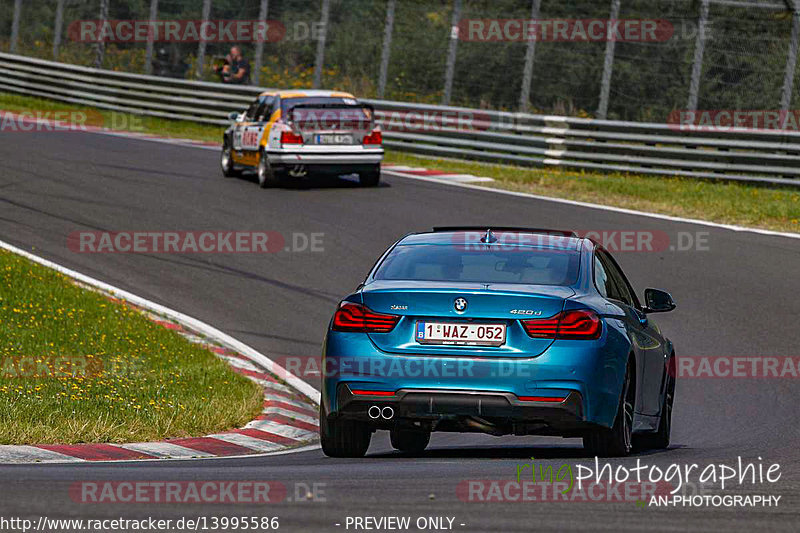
x=341, y=157
x=586, y=375
x=456, y=410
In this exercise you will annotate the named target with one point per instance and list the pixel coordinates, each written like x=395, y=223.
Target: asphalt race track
x=738, y=298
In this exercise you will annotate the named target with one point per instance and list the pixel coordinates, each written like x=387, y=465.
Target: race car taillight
x=360, y=318
x=581, y=324
x=548, y=399
x=373, y=138
x=289, y=137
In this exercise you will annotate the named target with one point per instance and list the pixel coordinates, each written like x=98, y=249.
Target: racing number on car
x=250, y=138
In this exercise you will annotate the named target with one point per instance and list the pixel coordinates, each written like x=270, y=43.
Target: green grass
x=732, y=203
x=76, y=366
x=116, y=120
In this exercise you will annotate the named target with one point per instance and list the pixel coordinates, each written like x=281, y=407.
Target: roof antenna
x=489, y=237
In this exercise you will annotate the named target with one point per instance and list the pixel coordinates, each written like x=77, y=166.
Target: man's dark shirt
x=236, y=66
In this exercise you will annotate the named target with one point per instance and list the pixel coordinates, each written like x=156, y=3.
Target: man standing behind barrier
x=236, y=69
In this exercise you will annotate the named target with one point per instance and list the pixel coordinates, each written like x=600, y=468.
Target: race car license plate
x=467, y=334
x=334, y=138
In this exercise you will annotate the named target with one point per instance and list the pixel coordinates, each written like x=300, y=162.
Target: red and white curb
x=288, y=420
x=419, y=172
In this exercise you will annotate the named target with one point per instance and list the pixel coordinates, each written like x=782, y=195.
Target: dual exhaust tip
x=375, y=412
x=298, y=171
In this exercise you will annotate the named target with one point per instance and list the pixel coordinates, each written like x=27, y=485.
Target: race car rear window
x=490, y=264
x=315, y=113
x=288, y=103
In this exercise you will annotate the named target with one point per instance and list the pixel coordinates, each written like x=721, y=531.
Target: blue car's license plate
x=470, y=334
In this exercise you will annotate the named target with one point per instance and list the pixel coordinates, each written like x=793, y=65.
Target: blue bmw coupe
x=500, y=331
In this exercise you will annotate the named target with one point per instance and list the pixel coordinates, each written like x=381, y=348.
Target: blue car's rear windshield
x=484, y=264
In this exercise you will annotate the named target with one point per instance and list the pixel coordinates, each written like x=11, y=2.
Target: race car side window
x=621, y=290
x=265, y=109
x=250, y=114
x=622, y=282
x=601, y=279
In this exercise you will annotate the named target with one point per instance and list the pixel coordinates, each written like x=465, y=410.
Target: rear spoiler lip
x=540, y=231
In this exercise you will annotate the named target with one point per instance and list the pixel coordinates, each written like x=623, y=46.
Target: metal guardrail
x=515, y=138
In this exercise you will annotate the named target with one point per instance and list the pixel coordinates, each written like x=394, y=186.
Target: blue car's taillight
x=580, y=324
x=360, y=318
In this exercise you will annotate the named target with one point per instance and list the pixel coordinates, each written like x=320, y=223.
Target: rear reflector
x=581, y=324
x=373, y=138
x=541, y=399
x=372, y=393
x=288, y=137
x=360, y=318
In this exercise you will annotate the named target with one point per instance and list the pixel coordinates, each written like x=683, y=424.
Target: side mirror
x=232, y=116
x=658, y=301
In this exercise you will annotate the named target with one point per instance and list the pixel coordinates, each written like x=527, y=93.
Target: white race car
x=289, y=134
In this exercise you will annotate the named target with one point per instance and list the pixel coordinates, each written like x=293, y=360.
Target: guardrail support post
x=791, y=63
x=57, y=28
x=608, y=63
x=699, y=50
x=527, y=71
x=148, y=51
x=451, y=53
x=387, y=47
x=320, y=59
x=15, y=26
x=201, y=47
x=100, y=49
x=259, y=58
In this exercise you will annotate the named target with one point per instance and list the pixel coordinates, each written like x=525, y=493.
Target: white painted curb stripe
x=248, y=442
x=266, y=384
x=282, y=430
x=288, y=401
x=241, y=363
x=731, y=227
x=291, y=414
x=164, y=449
x=30, y=454
x=207, y=330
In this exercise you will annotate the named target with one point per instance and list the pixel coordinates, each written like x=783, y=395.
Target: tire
x=267, y=176
x=660, y=439
x=409, y=440
x=226, y=161
x=370, y=178
x=617, y=441
x=343, y=438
